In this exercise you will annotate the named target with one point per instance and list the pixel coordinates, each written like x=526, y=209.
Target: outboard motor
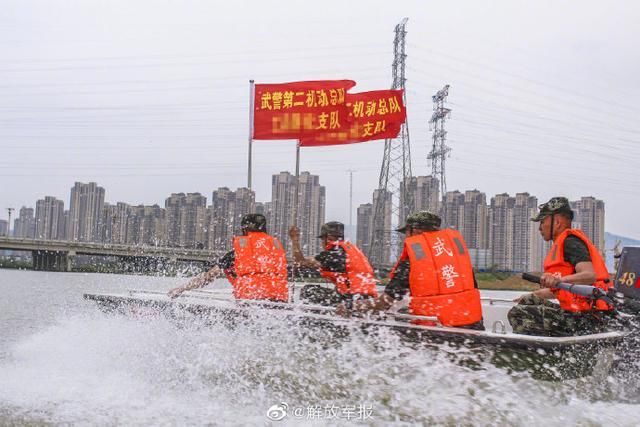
x=627, y=281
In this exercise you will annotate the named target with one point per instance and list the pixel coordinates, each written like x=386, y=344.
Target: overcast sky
x=151, y=97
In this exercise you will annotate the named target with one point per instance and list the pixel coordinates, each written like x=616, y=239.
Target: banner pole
x=296, y=195
x=294, y=271
x=251, y=108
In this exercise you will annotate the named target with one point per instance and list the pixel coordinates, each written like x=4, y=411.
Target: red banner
x=372, y=115
x=300, y=109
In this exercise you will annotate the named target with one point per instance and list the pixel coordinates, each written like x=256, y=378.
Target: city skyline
x=498, y=231
x=186, y=220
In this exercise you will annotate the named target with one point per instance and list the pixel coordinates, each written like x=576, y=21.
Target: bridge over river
x=57, y=255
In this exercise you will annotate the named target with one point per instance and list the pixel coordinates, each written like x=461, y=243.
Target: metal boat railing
x=219, y=296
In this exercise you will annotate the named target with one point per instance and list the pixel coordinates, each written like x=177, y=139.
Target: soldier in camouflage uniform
x=535, y=314
x=400, y=283
x=340, y=262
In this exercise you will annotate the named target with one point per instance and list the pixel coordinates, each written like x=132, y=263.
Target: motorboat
x=219, y=306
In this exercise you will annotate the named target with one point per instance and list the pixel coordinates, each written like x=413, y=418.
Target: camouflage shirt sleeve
x=227, y=260
x=398, y=287
x=333, y=260
x=575, y=251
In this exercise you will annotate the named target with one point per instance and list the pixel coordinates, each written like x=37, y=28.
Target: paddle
x=586, y=291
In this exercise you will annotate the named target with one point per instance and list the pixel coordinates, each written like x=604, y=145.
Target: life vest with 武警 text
x=441, y=278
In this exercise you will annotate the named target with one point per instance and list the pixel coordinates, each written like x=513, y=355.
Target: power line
x=544, y=84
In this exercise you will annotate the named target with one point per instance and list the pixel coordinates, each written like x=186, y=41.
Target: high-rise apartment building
x=283, y=187
x=50, y=219
x=589, y=217
x=186, y=217
x=364, y=223
x=155, y=226
x=225, y=216
x=452, y=212
x=311, y=209
x=146, y=225
x=66, y=224
x=4, y=227
x=24, y=226
x=475, y=220
x=114, y=222
x=245, y=203
x=266, y=209
x=262, y=208
x=172, y=207
x=381, y=230
x=526, y=237
x=85, y=212
x=311, y=212
x=426, y=193
x=221, y=219
x=501, y=231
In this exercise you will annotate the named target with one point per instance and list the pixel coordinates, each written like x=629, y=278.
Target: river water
x=63, y=362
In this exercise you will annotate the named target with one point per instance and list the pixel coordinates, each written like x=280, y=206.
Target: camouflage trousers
x=316, y=294
x=537, y=316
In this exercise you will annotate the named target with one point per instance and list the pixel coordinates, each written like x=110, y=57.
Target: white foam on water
x=97, y=369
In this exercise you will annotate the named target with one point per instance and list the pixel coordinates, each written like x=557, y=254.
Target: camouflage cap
x=254, y=221
x=556, y=205
x=333, y=228
x=423, y=220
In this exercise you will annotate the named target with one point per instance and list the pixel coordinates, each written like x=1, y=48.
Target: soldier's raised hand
x=294, y=232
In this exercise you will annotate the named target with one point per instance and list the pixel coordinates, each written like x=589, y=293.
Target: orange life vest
x=441, y=278
x=358, y=277
x=261, y=268
x=554, y=263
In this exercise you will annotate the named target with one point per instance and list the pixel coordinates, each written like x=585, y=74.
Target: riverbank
x=510, y=283
x=15, y=264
